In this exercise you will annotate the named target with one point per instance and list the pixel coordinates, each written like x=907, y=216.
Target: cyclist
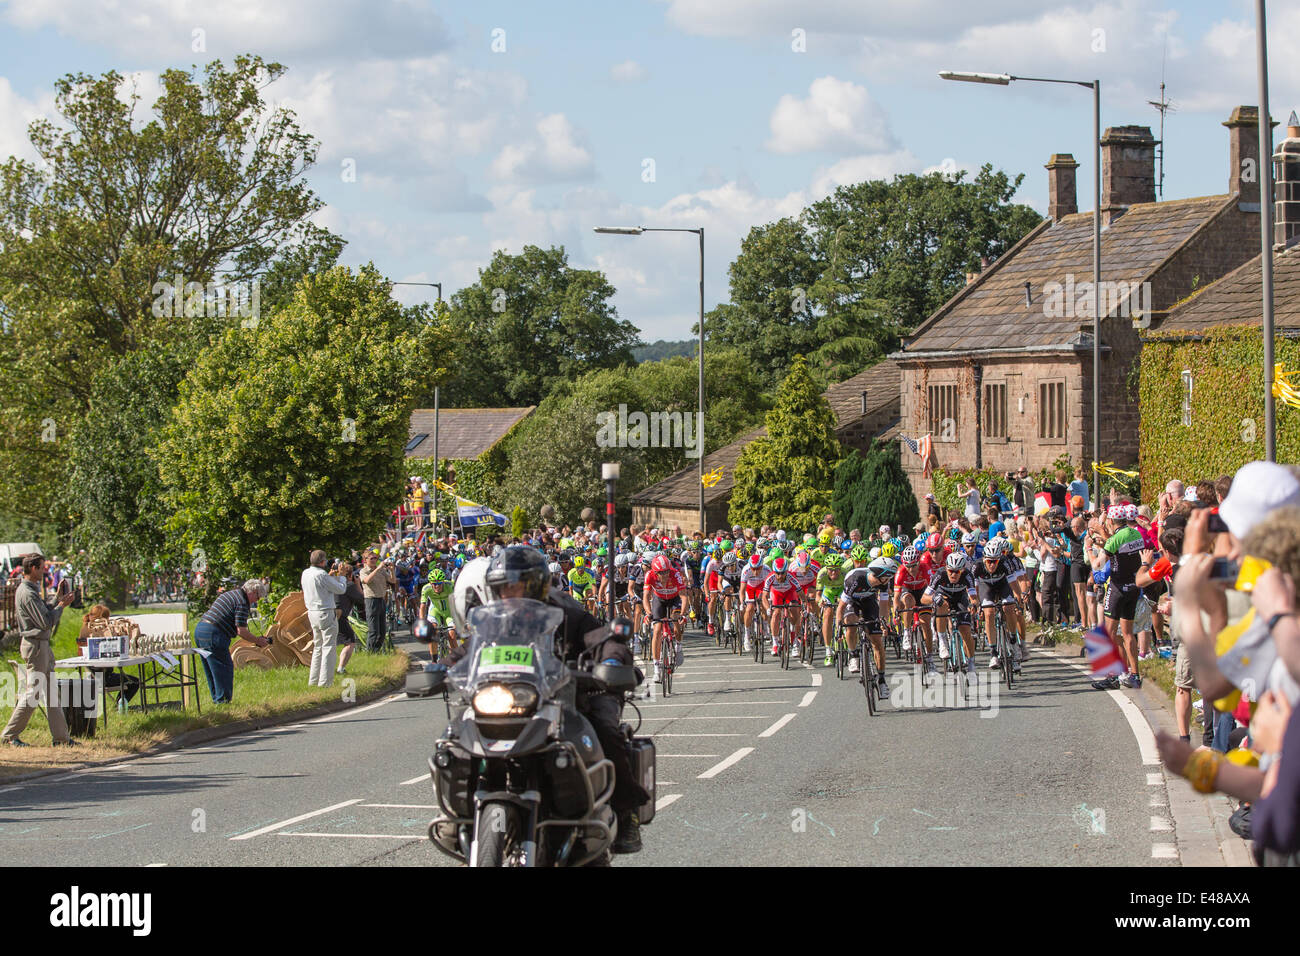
x=724, y=585
x=885, y=567
x=780, y=590
x=830, y=585
x=752, y=579
x=637, y=567
x=804, y=572
x=950, y=592
x=1124, y=548
x=665, y=583
x=435, y=606
x=582, y=583
x=859, y=608
x=909, y=587
x=992, y=581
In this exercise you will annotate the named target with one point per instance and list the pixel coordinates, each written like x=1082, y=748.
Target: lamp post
x=1266, y=229
x=609, y=472
x=699, y=425
x=1005, y=79
x=438, y=286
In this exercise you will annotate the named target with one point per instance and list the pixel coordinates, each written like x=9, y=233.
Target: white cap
x=1258, y=488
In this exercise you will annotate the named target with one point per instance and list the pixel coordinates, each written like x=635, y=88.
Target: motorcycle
x=519, y=775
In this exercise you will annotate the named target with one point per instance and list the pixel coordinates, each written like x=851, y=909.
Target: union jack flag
x=1103, y=655
x=923, y=447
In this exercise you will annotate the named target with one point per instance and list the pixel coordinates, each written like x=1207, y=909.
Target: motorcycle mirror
x=621, y=628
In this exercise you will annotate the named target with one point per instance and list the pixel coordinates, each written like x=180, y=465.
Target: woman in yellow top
x=417, y=503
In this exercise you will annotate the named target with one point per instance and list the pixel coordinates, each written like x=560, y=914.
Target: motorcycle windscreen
x=512, y=640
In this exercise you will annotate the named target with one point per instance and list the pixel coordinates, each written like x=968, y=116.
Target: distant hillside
x=662, y=350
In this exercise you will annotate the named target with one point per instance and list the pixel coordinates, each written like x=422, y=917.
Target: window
x=1051, y=410
x=1187, y=397
x=414, y=443
x=943, y=412
x=995, y=411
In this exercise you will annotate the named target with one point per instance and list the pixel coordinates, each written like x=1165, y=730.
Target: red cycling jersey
x=930, y=564
x=665, y=586
x=782, y=592
x=913, y=579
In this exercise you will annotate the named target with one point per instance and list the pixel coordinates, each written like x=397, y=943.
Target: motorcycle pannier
x=643, y=766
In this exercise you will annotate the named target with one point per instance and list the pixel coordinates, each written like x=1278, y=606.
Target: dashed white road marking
x=720, y=703
x=808, y=698
x=778, y=725
x=666, y=800
x=735, y=758
x=817, y=680
x=357, y=710
x=407, y=783
x=1155, y=779
x=1161, y=825
x=1164, y=851
x=298, y=819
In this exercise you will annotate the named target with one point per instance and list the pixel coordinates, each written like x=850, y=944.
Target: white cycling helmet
x=910, y=556
x=875, y=553
x=729, y=558
x=471, y=590
x=956, y=561
x=970, y=537
x=554, y=567
x=996, y=547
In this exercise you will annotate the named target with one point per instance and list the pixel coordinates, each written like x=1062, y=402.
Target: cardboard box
x=98, y=648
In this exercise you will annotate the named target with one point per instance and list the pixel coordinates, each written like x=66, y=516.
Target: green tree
x=290, y=436
x=843, y=280
x=872, y=489
x=530, y=321
x=209, y=188
x=518, y=521
x=787, y=478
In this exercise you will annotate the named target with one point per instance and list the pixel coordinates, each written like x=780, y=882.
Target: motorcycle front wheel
x=495, y=831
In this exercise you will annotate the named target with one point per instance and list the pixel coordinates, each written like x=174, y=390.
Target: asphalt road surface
x=757, y=765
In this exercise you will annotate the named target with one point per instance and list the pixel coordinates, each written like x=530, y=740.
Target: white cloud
x=837, y=116
x=16, y=112
x=629, y=71
x=857, y=169
x=552, y=155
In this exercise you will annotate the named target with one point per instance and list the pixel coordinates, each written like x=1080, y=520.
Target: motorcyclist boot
x=629, y=833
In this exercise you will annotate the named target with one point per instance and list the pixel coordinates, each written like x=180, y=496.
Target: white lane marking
x=1146, y=740
x=407, y=783
x=155, y=864
x=1155, y=779
x=808, y=698
x=743, y=680
x=360, y=836
x=298, y=819
x=357, y=710
x=666, y=800
x=817, y=680
x=722, y=703
x=714, y=717
x=402, y=806
x=717, y=768
x=162, y=757
x=778, y=725
x=1164, y=851
x=1161, y=825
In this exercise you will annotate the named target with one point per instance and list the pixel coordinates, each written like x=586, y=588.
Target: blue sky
x=749, y=109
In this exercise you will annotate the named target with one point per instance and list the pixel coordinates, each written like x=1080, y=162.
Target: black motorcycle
x=519, y=775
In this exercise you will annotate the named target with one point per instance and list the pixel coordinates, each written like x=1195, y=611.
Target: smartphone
x=1225, y=570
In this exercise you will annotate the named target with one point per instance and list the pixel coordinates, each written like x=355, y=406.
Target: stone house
x=1001, y=374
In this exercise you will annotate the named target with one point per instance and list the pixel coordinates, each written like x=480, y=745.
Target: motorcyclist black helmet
x=423, y=632
x=515, y=563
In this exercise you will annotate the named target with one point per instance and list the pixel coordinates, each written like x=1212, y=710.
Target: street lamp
x=699, y=425
x=1005, y=79
x=1266, y=229
x=609, y=472
x=436, y=415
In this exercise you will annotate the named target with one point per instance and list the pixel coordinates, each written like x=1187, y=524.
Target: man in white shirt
x=972, y=496
x=319, y=591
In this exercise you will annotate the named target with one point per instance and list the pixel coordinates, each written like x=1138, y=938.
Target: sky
x=448, y=131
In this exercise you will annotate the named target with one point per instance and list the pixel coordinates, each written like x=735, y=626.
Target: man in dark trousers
x=37, y=621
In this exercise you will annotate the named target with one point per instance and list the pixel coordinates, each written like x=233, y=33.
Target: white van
x=11, y=555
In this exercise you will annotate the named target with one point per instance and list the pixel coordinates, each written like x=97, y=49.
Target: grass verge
x=258, y=695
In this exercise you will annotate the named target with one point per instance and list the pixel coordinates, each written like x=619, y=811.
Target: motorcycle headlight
x=498, y=700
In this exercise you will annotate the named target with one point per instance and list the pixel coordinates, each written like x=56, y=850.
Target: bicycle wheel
x=665, y=662
x=1004, y=653
x=867, y=667
x=840, y=649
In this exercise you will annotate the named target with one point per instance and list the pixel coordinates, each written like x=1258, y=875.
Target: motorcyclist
x=519, y=571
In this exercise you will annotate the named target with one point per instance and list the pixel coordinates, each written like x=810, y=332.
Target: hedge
x=945, y=483
x=1227, y=406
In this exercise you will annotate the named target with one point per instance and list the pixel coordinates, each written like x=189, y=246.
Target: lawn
x=258, y=695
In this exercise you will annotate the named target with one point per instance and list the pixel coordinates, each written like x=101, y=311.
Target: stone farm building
x=1001, y=374
x=865, y=406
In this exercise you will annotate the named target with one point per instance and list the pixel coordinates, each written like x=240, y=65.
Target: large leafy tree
x=290, y=436
x=846, y=278
x=208, y=187
x=787, y=478
x=530, y=321
x=872, y=489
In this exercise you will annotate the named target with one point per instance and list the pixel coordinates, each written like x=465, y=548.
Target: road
x=757, y=766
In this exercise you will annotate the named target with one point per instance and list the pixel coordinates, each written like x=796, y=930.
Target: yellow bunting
x=712, y=478
x=1108, y=468
x=1285, y=387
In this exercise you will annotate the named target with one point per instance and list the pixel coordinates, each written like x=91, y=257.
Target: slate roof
x=991, y=311
x=882, y=382
x=1236, y=298
x=462, y=432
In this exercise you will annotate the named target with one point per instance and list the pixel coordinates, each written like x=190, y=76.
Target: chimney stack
x=1286, y=187
x=1128, y=169
x=1062, y=197
x=1243, y=154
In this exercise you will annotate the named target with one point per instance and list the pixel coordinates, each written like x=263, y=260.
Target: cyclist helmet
x=780, y=567
x=553, y=567
x=647, y=557
x=437, y=577
x=875, y=553
x=602, y=551
x=970, y=539
x=956, y=561
x=884, y=529
x=472, y=589
x=995, y=548
x=859, y=553
x=802, y=558
x=846, y=545
x=729, y=558
x=661, y=563
x=909, y=555
x=933, y=542
x=579, y=561
x=727, y=544
x=756, y=560
x=826, y=536
x=889, y=550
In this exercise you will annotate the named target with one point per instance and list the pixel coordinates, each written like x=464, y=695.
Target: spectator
x=970, y=491
x=221, y=623
x=932, y=506
x=350, y=599
x=993, y=497
x=320, y=590
x=37, y=619
x=1057, y=491
x=377, y=584
x=1079, y=489
x=1023, y=494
